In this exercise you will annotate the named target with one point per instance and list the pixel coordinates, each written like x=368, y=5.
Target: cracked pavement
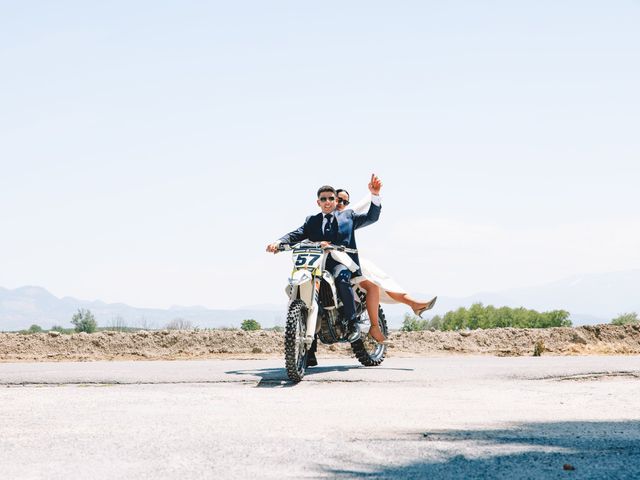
x=441, y=417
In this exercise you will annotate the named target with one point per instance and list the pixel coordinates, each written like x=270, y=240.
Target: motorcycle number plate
x=308, y=258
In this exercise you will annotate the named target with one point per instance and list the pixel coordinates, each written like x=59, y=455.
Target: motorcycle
x=315, y=309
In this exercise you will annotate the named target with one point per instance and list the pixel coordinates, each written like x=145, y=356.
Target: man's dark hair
x=326, y=188
x=342, y=190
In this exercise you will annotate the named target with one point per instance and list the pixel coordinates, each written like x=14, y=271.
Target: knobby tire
x=295, y=359
x=371, y=353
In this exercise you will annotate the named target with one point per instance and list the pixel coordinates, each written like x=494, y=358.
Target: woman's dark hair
x=326, y=188
x=342, y=190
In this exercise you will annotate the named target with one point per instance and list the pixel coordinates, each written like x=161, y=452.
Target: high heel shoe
x=384, y=340
x=428, y=306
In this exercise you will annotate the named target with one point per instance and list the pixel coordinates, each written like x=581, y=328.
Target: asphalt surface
x=455, y=417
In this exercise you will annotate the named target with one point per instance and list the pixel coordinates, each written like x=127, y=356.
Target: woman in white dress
x=379, y=286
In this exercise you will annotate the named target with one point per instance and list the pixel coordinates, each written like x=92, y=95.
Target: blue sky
x=150, y=150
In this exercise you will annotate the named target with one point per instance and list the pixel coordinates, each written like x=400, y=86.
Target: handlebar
x=290, y=246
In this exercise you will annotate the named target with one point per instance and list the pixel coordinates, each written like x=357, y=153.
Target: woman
x=378, y=285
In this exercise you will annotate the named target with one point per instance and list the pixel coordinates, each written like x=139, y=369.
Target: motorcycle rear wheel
x=295, y=350
x=369, y=352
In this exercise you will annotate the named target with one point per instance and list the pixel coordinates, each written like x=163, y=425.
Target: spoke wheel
x=295, y=350
x=369, y=352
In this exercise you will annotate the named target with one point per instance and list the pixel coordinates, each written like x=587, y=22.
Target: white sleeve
x=362, y=206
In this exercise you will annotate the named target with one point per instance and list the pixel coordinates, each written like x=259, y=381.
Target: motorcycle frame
x=305, y=285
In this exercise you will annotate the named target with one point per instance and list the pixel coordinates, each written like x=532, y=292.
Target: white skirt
x=373, y=273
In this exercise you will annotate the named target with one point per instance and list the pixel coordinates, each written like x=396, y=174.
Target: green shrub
x=479, y=316
x=58, y=328
x=538, y=348
x=84, y=321
x=411, y=323
x=34, y=329
x=250, y=324
x=630, y=318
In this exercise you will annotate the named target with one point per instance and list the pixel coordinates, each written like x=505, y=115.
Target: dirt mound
x=587, y=340
x=168, y=345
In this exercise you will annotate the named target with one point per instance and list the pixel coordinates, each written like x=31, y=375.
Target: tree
x=250, y=324
x=455, y=320
x=84, y=321
x=479, y=316
x=179, y=324
x=34, y=329
x=630, y=318
x=411, y=323
x=436, y=322
x=118, y=324
x=556, y=318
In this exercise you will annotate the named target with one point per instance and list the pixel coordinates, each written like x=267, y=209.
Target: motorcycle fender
x=309, y=295
x=299, y=277
x=291, y=291
x=332, y=283
x=306, y=292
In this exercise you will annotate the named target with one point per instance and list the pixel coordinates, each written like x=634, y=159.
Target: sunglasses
x=324, y=199
x=343, y=201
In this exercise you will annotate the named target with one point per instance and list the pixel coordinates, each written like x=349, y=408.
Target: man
x=338, y=228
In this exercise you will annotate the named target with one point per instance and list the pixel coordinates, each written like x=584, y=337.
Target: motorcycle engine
x=331, y=330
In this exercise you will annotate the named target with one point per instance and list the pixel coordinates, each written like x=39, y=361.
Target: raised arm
x=372, y=215
x=362, y=206
x=375, y=185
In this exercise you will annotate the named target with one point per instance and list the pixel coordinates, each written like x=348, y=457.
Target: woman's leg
x=373, y=302
x=416, y=305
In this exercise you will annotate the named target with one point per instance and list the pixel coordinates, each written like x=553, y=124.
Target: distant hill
x=25, y=306
x=591, y=299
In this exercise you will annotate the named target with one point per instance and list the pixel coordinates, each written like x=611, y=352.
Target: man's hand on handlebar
x=273, y=247
x=276, y=247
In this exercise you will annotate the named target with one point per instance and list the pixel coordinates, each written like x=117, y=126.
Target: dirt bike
x=315, y=309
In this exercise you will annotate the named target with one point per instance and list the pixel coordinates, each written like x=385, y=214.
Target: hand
x=273, y=247
x=375, y=185
x=324, y=244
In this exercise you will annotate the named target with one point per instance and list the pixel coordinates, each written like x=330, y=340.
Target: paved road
x=444, y=417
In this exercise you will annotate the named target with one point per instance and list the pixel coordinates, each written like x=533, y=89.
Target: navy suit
x=342, y=231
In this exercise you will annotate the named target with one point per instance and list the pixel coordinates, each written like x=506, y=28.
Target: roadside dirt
x=168, y=345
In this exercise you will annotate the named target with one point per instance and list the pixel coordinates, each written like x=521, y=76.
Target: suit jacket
x=348, y=222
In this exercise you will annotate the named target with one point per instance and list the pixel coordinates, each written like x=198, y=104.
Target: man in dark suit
x=338, y=228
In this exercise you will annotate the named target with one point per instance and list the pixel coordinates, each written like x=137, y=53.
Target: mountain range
x=24, y=306
x=590, y=298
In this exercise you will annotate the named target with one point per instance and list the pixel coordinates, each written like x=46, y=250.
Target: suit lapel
x=317, y=226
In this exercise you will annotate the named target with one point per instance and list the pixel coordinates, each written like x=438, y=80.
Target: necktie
x=327, y=227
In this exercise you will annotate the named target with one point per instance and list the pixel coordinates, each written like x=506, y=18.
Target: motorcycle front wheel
x=295, y=350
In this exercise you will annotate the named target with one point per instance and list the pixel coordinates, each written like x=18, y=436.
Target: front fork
x=309, y=294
